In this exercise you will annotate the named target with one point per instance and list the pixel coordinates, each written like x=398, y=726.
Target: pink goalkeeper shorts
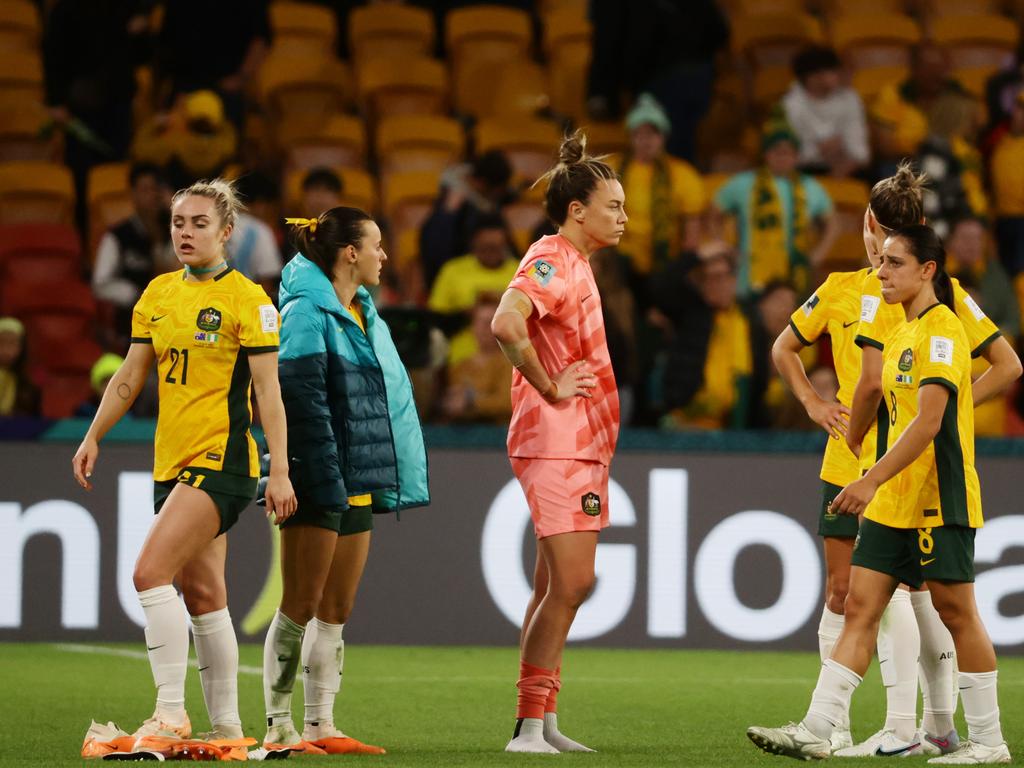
x=565, y=495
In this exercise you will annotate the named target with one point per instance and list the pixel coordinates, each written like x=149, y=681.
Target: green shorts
x=352, y=520
x=834, y=525
x=231, y=493
x=916, y=555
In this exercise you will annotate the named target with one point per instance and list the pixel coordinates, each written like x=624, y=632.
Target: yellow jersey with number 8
x=940, y=487
x=202, y=334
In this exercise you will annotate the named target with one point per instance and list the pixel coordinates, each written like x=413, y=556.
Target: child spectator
x=18, y=395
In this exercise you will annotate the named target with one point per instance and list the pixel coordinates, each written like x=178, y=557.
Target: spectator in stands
x=480, y=385
x=930, y=78
x=952, y=164
x=619, y=310
x=1007, y=174
x=193, y=142
x=970, y=261
x=468, y=191
x=135, y=251
x=666, y=49
x=665, y=194
x=90, y=53
x=827, y=117
x=776, y=210
x=321, y=191
x=18, y=395
x=707, y=359
x=252, y=248
x=223, y=52
x=488, y=268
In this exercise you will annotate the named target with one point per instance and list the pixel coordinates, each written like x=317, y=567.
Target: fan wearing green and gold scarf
x=778, y=212
x=18, y=396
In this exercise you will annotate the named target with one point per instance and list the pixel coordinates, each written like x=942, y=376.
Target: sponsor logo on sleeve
x=810, y=304
x=541, y=271
x=972, y=305
x=268, y=318
x=941, y=350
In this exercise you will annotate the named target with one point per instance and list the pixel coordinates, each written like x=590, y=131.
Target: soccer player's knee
x=954, y=614
x=836, y=598
x=574, y=591
x=146, y=576
x=202, y=597
x=857, y=609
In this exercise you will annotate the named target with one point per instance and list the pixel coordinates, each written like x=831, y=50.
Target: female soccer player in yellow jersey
x=921, y=504
x=211, y=332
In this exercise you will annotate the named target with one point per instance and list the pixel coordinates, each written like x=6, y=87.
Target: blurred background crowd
x=747, y=134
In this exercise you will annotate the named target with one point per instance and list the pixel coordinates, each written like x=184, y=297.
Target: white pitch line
x=127, y=653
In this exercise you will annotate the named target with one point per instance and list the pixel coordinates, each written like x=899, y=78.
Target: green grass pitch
x=455, y=706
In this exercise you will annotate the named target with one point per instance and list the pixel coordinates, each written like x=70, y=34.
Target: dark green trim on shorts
x=236, y=451
x=980, y=349
x=864, y=341
x=230, y=493
x=834, y=525
x=799, y=336
x=949, y=465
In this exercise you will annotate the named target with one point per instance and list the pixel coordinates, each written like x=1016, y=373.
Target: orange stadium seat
x=551, y=7
x=408, y=202
x=21, y=79
x=567, y=46
x=870, y=40
x=418, y=143
x=20, y=29
x=977, y=41
x=109, y=196
x=849, y=199
x=771, y=39
x=482, y=42
x=301, y=28
x=338, y=140
x=36, y=191
x=359, y=191
x=770, y=85
x=20, y=134
x=524, y=215
x=566, y=30
x=836, y=8
x=520, y=90
x=870, y=81
x=305, y=85
x=936, y=8
x=396, y=85
x=390, y=29
x=974, y=79
x=530, y=144
x=747, y=7
x=606, y=137
x=847, y=255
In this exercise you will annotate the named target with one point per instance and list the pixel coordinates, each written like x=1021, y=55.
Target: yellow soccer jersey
x=941, y=486
x=202, y=334
x=879, y=320
x=834, y=309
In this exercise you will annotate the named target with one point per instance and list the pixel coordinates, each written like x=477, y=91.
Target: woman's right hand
x=573, y=381
x=84, y=461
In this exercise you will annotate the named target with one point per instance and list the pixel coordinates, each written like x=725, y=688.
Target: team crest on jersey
x=209, y=319
x=906, y=360
x=591, y=504
x=541, y=271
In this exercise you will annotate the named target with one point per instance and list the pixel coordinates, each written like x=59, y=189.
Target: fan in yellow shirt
x=487, y=269
x=213, y=334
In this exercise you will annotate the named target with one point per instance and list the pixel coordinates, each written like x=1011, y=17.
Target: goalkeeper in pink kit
x=565, y=421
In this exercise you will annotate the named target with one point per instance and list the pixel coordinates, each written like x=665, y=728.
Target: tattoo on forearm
x=124, y=391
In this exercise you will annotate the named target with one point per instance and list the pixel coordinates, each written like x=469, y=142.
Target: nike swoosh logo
x=203, y=669
x=925, y=562
x=155, y=648
x=886, y=753
x=284, y=658
x=944, y=743
x=847, y=325
x=155, y=318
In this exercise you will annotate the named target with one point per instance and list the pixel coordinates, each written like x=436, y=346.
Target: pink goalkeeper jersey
x=567, y=326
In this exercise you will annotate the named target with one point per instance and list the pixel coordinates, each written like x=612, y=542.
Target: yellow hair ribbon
x=303, y=224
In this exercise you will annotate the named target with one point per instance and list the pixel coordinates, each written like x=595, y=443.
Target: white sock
x=981, y=707
x=559, y=740
x=829, y=629
x=323, y=656
x=899, y=646
x=830, y=704
x=281, y=651
x=167, y=643
x=217, y=653
x=937, y=667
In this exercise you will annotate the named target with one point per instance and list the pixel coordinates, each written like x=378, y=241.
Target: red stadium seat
x=39, y=253
x=63, y=394
x=57, y=315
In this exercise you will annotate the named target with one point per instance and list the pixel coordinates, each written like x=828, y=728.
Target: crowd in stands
x=746, y=133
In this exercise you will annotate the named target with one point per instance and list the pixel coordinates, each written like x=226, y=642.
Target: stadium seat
x=747, y=7
x=482, y=42
x=874, y=40
x=567, y=73
x=606, y=137
x=974, y=79
x=338, y=140
x=21, y=134
x=519, y=91
x=868, y=82
x=846, y=255
x=359, y=191
x=63, y=394
x=36, y=191
x=977, y=41
x=305, y=85
x=551, y=7
x=530, y=144
x=770, y=85
x=110, y=200
x=397, y=85
x=418, y=143
x=566, y=29
x=54, y=318
x=21, y=78
x=409, y=200
x=34, y=253
x=302, y=28
x=20, y=29
x=389, y=30
x=524, y=215
x=849, y=199
x=836, y=8
x=771, y=39
x=937, y=8
x=77, y=358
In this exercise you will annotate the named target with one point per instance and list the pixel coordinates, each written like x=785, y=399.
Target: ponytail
x=943, y=285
